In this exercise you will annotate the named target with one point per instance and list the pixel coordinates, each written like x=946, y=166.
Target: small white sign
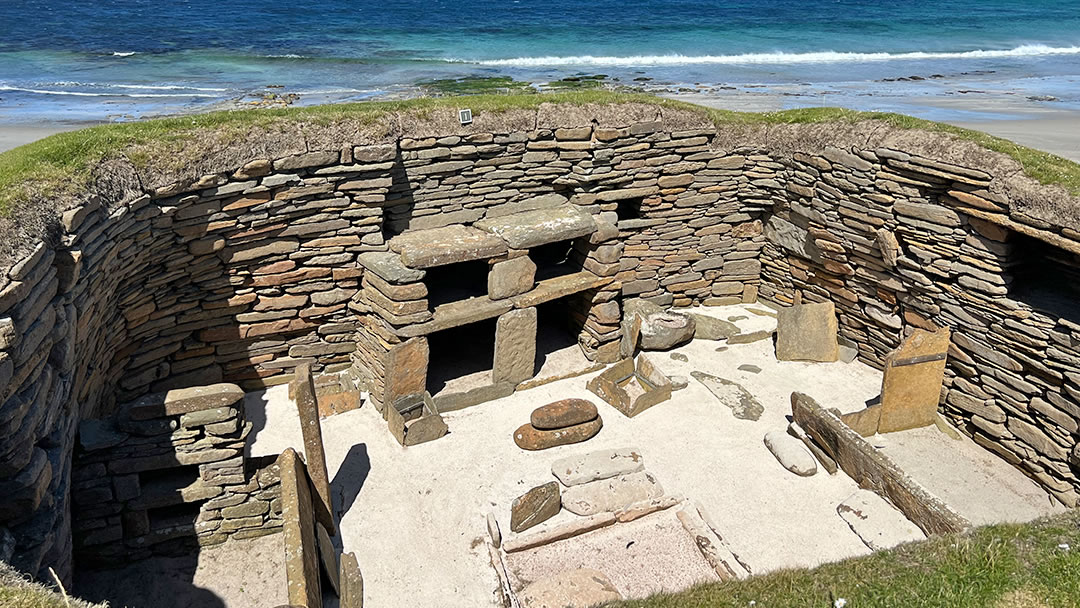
x=465, y=116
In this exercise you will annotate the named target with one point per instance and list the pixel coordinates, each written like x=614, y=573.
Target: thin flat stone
x=876, y=522
x=732, y=394
x=610, y=495
x=593, y=466
x=388, y=267
x=185, y=400
x=541, y=226
x=580, y=588
x=535, y=506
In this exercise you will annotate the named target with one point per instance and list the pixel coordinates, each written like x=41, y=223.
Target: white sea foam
x=1030, y=50
x=123, y=54
x=85, y=94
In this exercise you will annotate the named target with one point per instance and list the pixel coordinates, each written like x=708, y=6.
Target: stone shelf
x=541, y=226
x=447, y=245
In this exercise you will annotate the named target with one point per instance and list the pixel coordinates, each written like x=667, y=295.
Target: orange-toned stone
x=564, y=413
x=528, y=437
x=911, y=387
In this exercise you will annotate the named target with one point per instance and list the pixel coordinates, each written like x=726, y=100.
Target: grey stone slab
x=539, y=227
x=593, y=466
x=743, y=405
x=515, y=346
x=876, y=522
x=388, y=266
x=610, y=495
x=447, y=245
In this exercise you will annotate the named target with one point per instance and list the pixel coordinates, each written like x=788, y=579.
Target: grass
x=60, y=164
x=18, y=592
x=1035, y=565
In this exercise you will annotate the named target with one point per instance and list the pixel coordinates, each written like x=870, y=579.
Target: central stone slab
x=540, y=227
x=447, y=245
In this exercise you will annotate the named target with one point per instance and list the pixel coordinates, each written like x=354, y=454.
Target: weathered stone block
x=535, y=506
x=911, y=387
x=515, y=346
x=807, y=332
x=511, y=277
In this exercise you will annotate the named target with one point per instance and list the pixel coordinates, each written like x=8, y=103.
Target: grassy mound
x=60, y=164
x=1035, y=565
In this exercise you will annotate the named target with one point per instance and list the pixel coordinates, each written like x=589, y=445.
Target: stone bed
x=416, y=516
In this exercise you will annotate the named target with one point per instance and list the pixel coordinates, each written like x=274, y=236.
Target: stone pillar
x=406, y=370
x=515, y=346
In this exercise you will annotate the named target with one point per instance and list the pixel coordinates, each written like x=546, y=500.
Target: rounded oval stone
x=562, y=414
x=528, y=437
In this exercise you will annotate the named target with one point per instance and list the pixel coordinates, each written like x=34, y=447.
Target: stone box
x=414, y=419
x=632, y=385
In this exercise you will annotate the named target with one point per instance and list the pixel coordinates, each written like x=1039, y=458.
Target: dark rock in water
x=535, y=506
x=528, y=437
x=562, y=414
x=666, y=330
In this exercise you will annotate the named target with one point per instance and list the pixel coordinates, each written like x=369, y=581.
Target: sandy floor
x=967, y=477
x=415, y=516
x=239, y=574
x=12, y=136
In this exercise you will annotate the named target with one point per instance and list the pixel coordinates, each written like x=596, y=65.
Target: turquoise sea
x=67, y=60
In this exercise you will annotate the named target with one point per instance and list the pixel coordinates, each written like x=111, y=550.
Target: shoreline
x=1024, y=121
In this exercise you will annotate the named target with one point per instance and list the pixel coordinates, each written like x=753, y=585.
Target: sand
x=964, y=475
x=1027, y=123
x=416, y=516
x=12, y=136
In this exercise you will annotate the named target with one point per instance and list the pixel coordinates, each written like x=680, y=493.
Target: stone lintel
x=540, y=226
x=446, y=245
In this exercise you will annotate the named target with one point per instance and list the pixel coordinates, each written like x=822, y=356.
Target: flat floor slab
x=246, y=573
x=974, y=482
x=416, y=517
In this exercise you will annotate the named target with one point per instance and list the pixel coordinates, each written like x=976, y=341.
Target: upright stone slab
x=535, y=506
x=511, y=277
x=515, y=346
x=308, y=409
x=911, y=387
x=406, y=370
x=301, y=548
x=807, y=332
x=351, y=582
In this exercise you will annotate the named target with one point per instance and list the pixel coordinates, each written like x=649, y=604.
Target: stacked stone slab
x=242, y=265
x=132, y=471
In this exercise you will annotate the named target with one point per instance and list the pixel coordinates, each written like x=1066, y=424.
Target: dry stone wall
x=252, y=265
